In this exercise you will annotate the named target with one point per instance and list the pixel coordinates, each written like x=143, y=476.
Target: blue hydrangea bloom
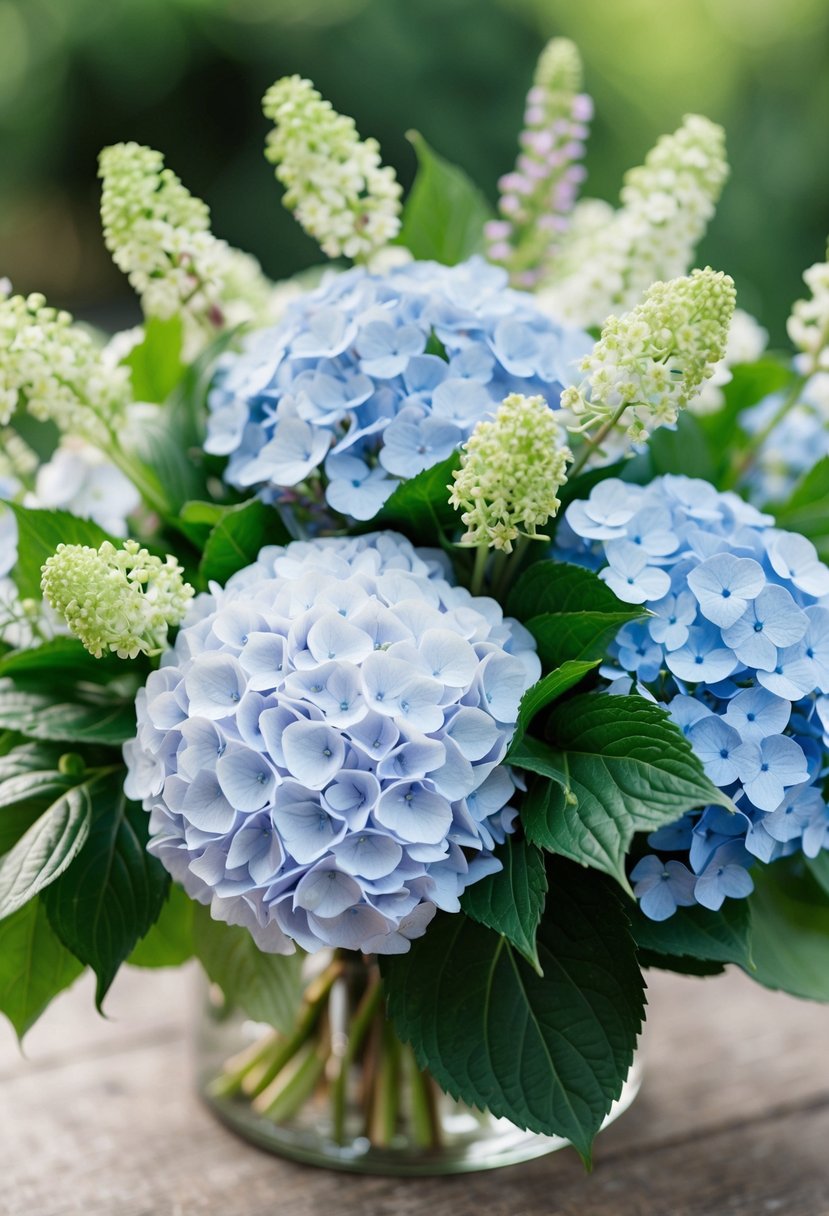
x=349, y=382
x=736, y=645
x=321, y=753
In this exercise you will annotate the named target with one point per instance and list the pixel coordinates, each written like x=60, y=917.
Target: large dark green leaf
x=790, y=929
x=23, y=799
x=511, y=901
x=699, y=933
x=819, y=868
x=420, y=506
x=42, y=716
x=39, y=534
x=114, y=890
x=571, y=613
x=618, y=766
x=548, y=689
x=268, y=987
x=45, y=851
x=237, y=536
x=445, y=213
x=169, y=942
x=548, y=1052
x=66, y=656
x=34, y=966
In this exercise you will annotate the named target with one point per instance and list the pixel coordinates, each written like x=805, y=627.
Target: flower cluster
x=379, y=377
x=809, y=323
x=321, y=752
x=122, y=600
x=511, y=469
x=649, y=363
x=334, y=182
x=737, y=645
x=538, y=196
x=611, y=257
x=745, y=343
x=56, y=371
x=159, y=236
x=793, y=445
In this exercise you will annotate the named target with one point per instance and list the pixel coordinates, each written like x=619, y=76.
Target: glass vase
x=341, y=1090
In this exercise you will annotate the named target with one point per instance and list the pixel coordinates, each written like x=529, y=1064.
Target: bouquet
x=444, y=631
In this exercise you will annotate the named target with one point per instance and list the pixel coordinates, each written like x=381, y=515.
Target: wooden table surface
x=99, y=1119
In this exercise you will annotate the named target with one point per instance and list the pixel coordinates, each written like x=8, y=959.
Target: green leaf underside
x=698, y=933
x=547, y=1052
x=40, y=716
x=45, y=851
x=237, y=536
x=420, y=506
x=169, y=942
x=623, y=767
x=547, y=690
x=790, y=929
x=39, y=533
x=34, y=966
x=570, y=612
x=511, y=901
x=114, y=890
x=445, y=212
x=268, y=987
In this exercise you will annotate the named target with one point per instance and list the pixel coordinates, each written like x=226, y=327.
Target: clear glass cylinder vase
x=340, y=1089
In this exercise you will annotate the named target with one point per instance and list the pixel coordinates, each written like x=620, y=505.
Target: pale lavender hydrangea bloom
x=321, y=753
x=736, y=644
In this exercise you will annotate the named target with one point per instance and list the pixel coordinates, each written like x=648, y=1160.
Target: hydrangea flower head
x=736, y=646
x=121, y=600
x=653, y=360
x=321, y=752
x=377, y=377
x=511, y=469
x=808, y=325
x=334, y=182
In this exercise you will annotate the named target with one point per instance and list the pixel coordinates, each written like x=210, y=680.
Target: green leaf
x=548, y=689
x=114, y=890
x=570, y=612
x=790, y=929
x=698, y=933
x=807, y=510
x=39, y=533
x=623, y=767
x=511, y=901
x=420, y=506
x=238, y=535
x=41, y=716
x=683, y=450
x=169, y=942
x=819, y=869
x=445, y=213
x=63, y=655
x=24, y=798
x=268, y=987
x=682, y=964
x=34, y=966
x=155, y=364
x=549, y=1052
x=45, y=851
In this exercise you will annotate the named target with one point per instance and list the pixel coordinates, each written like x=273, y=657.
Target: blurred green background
x=186, y=76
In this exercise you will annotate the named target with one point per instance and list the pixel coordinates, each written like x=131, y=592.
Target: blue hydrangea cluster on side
x=737, y=646
x=377, y=377
x=321, y=753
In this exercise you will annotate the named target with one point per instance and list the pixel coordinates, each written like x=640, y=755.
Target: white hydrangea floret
x=121, y=600
x=159, y=235
x=649, y=363
x=335, y=184
x=511, y=470
x=55, y=370
x=610, y=257
x=808, y=324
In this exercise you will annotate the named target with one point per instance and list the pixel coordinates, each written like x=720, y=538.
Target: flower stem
x=479, y=571
x=385, y=1099
x=358, y=1030
x=425, y=1122
x=592, y=445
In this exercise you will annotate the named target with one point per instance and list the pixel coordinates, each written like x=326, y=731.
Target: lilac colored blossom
x=736, y=646
x=390, y=370
x=321, y=753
